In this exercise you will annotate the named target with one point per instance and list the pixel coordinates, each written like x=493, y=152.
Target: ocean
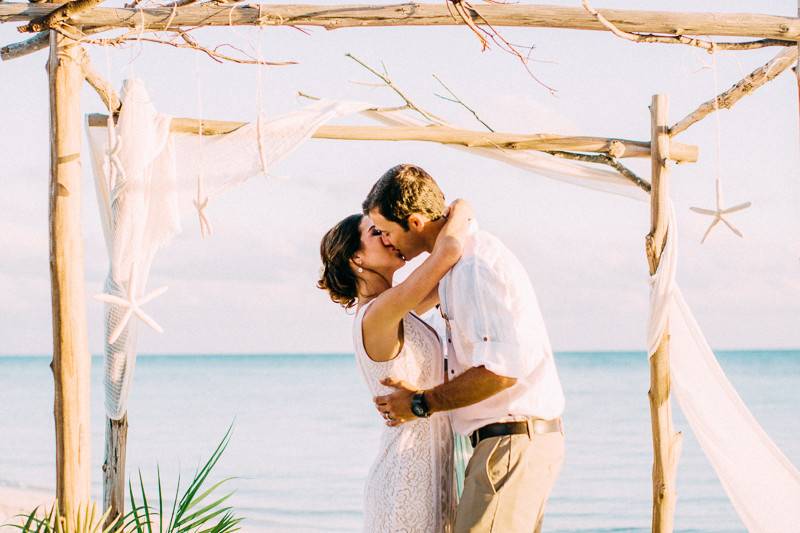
x=305, y=434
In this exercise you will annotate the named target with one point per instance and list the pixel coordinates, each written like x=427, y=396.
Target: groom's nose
x=386, y=241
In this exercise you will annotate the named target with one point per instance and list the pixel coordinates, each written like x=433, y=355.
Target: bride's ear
x=356, y=262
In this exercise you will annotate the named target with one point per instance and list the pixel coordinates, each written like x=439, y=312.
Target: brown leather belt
x=533, y=426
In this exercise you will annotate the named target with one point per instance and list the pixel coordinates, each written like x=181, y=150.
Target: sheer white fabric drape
x=139, y=214
x=760, y=481
x=144, y=176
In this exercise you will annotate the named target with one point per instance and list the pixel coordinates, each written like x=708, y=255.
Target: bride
x=410, y=485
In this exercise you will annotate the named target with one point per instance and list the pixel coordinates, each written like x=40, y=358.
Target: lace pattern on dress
x=409, y=487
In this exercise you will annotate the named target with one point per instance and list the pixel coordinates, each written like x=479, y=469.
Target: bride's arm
x=387, y=310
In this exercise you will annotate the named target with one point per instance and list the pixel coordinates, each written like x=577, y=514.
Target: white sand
x=14, y=501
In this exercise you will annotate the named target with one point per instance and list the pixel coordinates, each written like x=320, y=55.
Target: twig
x=28, y=46
x=60, y=14
x=459, y=101
x=681, y=39
x=739, y=90
x=189, y=43
x=104, y=89
x=389, y=83
x=180, y=3
x=604, y=159
x=461, y=8
x=301, y=94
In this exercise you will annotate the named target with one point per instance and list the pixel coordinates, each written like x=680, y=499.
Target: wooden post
x=71, y=359
x=666, y=443
x=114, y=468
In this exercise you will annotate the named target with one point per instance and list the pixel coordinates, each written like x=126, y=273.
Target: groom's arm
x=472, y=386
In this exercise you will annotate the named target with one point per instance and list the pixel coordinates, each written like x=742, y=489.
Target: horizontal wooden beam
x=510, y=141
x=411, y=14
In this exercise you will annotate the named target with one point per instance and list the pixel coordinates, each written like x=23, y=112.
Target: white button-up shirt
x=493, y=320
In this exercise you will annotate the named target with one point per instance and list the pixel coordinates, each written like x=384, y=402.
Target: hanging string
x=136, y=50
x=718, y=127
x=719, y=212
x=260, y=137
x=201, y=199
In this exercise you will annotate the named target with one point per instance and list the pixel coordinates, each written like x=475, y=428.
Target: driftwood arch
x=64, y=27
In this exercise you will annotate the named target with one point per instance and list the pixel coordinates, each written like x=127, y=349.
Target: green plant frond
x=145, y=504
x=199, y=514
x=202, y=496
x=227, y=524
x=134, y=508
x=203, y=473
x=174, y=504
x=204, y=519
x=160, y=502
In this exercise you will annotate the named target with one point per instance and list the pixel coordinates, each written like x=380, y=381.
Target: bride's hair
x=338, y=246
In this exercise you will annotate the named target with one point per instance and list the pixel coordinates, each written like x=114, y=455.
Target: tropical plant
x=86, y=520
x=193, y=511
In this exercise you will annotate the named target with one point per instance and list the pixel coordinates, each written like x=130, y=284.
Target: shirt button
x=486, y=339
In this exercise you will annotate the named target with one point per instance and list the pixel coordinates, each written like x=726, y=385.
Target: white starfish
x=719, y=214
x=200, y=203
x=133, y=304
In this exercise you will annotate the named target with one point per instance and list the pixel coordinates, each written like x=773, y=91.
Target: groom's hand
x=396, y=407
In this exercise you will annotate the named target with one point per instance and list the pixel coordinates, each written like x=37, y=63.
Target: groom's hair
x=402, y=191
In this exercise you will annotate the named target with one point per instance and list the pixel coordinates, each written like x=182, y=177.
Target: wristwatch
x=419, y=406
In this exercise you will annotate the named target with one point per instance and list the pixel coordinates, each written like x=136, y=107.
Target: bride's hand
x=454, y=232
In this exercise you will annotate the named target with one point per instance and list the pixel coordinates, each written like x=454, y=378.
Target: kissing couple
x=492, y=378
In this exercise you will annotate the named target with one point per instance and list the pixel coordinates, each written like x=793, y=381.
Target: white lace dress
x=410, y=486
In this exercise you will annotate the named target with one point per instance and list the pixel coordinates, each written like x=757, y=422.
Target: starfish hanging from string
x=133, y=304
x=719, y=213
x=116, y=172
x=201, y=203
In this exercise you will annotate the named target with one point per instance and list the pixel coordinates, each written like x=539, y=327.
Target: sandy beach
x=14, y=501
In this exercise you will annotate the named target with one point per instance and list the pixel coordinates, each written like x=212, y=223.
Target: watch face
x=418, y=406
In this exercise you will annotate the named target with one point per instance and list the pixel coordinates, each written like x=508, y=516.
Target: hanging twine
x=201, y=199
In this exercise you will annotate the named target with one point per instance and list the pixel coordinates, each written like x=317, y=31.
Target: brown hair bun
x=338, y=246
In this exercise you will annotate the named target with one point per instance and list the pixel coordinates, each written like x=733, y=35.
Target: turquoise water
x=305, y=435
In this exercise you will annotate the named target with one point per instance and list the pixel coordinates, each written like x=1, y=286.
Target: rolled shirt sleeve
x=493, y=329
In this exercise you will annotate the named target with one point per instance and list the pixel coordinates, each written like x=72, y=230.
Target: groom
x=502, y=389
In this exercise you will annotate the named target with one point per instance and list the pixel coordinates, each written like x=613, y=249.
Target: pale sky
x=250, y=288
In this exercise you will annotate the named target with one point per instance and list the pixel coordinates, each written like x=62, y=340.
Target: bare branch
x=459, y=101
x=467, y=13
x=104, y=89
x=333, y=17
x=612, y=162
x=301, y=94
x=28, y=46
x=188, y=42
x=60, y=14
x=38, y=42
x=681, y=39
x=389, y=83
x=739, y=90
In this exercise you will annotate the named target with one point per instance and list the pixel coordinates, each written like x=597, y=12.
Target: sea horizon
x=631, y=352
x=308, y=477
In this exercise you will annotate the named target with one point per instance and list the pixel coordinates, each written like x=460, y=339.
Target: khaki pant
x=507, y=483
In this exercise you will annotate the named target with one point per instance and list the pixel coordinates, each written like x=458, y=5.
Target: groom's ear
x=416, y=222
